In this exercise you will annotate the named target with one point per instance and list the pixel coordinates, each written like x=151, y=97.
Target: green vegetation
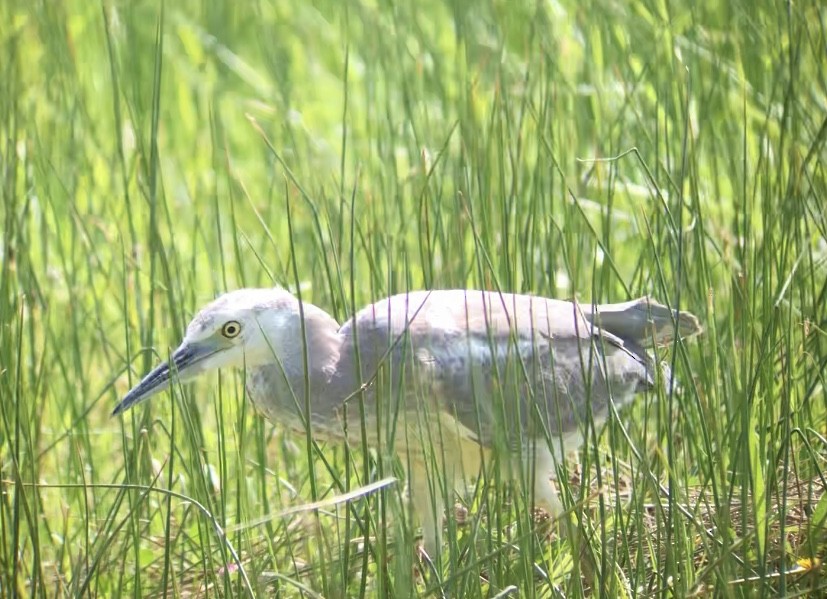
x=153, y=155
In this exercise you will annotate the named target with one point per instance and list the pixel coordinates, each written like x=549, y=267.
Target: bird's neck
x=301, y=369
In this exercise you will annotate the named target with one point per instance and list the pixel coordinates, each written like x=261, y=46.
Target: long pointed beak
x=184, y=362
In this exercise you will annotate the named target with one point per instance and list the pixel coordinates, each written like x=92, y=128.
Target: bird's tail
x=643, y=321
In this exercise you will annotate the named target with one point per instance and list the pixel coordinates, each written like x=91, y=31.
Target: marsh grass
x=154, y=154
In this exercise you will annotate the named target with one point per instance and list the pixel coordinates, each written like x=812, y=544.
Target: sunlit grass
x=153, y=155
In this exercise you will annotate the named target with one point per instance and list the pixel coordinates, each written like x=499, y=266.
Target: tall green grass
x=155, y=154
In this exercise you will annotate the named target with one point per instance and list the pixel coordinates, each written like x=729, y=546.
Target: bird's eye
x=231, y=329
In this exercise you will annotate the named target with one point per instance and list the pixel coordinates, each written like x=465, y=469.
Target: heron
x=464, y=376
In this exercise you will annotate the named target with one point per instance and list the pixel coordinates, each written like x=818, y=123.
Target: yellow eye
x=231, y=329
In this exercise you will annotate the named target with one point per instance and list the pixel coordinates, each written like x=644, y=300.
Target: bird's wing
x=643, y=321
x=495, y=361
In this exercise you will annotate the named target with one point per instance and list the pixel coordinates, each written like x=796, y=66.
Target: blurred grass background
x=155, y=154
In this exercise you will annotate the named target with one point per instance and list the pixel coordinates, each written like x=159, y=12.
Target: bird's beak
x=185, y=361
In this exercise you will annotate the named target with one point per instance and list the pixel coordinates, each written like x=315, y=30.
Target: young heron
x=447, y=379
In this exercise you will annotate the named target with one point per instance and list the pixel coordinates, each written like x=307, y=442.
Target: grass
x=154, y=154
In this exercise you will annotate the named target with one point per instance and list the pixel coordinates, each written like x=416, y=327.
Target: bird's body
x=448, y=377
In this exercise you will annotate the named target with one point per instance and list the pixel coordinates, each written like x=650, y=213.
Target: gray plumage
x=454, y=375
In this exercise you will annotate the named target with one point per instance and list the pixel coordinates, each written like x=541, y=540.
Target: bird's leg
x=546, y=497
x=544, y=464
x=425, y=499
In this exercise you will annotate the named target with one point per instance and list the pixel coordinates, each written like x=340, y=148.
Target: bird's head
x=243, y=327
